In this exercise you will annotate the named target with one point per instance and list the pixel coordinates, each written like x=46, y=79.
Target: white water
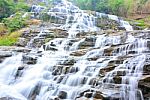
x=39, y=82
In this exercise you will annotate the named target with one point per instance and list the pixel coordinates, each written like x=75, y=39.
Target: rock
x=121, y=28
x=8, y=51
x=106, y=23
x=103, y=71
x=29, y=59
x=83, y=98
x=49, y=47
x=5, y=54
x=59, y=33
x=121, y=72
x=60, y=78
x=79, y=52
x=22, y=42
x=34, y=22
x=69, y=62
x=144, y=85
x=65, y=69
x=73, y=70
x=89, y=42
x=93, y=81
x=117, y=79
x=88, y=94
x=8, y=98
x=98, y=95
x=146, y=69
x=62, y=95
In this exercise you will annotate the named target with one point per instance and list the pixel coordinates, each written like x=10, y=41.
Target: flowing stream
x=59, y=74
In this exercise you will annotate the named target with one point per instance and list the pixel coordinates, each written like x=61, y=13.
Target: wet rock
x=8, y=98
x=89, y=42
x=35, y=92
x=50, y=47
x=73, y=70
x=98, y=95
x=60, y=69
x=144, y=85
x=29, y=59
x=146, y=69
x=121, y=28
x=65, y=69
x=117, y=79
x=108, y=52
x=5, y=54
x=93, y=58
x=69, y=62
x=62, y=95
x=83, y=98
x=20, y=71
x=8, y=51
x=60, y=78
x=22, y=42
x=56, y=72
x=59, y=33
x=79, y=52
x=103, y=71
x=106, y=23
x=84, y=92
x=121, y=72
x=88, y=94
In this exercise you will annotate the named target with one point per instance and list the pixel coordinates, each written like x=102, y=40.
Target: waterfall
x=110, y=66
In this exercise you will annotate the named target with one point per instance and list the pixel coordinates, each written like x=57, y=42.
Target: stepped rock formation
x=75, y=57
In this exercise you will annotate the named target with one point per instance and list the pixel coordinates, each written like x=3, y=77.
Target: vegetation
x=14, y=23
x=9, y=39
x=9, y=7
x=117, y=7
x=15, y=9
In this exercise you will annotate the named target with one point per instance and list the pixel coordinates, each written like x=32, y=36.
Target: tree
x=6, y=8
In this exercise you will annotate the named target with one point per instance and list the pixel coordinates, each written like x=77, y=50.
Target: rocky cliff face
x=66, y=60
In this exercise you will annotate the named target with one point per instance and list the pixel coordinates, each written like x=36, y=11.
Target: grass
x=9, y=39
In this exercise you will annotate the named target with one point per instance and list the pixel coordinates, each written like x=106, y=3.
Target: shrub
x=9, y=7
x=3, y=29
x=14, y=23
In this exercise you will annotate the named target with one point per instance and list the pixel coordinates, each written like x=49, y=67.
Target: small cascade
x=87, y=64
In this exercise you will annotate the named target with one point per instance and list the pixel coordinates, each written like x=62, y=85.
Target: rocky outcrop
x=144, y=86
x=8, y=51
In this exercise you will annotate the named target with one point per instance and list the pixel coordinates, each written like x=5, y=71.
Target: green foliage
x=6, y=8
x=102, y=6
x=10, y=39
x=117, y=7
x=14, y=23
x=9, y=7
x=21, y=6
x=141, y=23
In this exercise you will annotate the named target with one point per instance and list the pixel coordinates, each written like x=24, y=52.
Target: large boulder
x=62, y=95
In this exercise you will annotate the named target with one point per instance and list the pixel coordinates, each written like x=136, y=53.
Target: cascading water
x=57, y=74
